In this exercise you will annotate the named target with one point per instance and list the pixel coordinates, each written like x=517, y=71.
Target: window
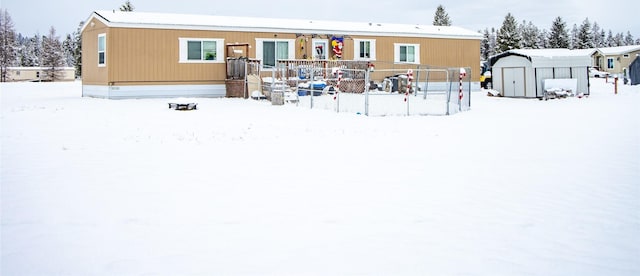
x=365, y=49
x=201, y=50
x=269, y=51
x=102, y=46
x=625, y=56
x=320, y=48
x=407, y=53
x=610, y=63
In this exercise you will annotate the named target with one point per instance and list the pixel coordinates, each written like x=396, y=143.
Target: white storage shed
x=522, y=73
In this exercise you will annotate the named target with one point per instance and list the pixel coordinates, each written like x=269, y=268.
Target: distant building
x=38, y=74
x=616, y=60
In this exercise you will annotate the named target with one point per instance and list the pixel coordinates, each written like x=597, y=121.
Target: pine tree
x=628, y=40
x=441, y=18
x=530, y=35
x=52, y=56
x=29, y=52
x=72, y=47
x=77, y=51
x=597, y=37
x=484, y=45
x=127, y=7
x=619, y=39
x=610, y=40
x=558, y=38
x=493, y=43
x=573, y=38
x=508, y=36
x=543, y=39
x=8, y=45
x=585, y=39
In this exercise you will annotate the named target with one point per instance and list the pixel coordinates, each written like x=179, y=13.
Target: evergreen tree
x=573, y=38
x=585, y=38
x=72, y=46
x=127, y=7
x=52, y=56
x=77, y=51
x=508, y=36
x=493, y=44
x=597, y=37
x=543, y=39
x=441, y=18
x=558, y=38
x=619, y=39
x=29, y=52
x=637, y=41
x=530, y=35
x=628, y=40
x=484, y=45
x=610, y=40
x=8, y=45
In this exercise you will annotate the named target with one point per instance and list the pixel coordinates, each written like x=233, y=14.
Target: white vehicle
x=595, y=73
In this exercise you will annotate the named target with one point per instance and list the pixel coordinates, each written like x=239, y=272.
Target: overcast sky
x=32, y=16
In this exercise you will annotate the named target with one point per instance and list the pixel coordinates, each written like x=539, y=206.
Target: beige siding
x=151, y=56
x=91, y=73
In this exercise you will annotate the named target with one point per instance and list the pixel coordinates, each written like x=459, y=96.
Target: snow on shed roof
x=550, y=57
x=613, y=51
x=256, y=24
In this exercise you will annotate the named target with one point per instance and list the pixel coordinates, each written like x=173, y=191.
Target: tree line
x=50, y=52
x=47, y=51
x=526, y=35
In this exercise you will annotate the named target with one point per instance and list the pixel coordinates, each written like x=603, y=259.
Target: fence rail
x=353, y=87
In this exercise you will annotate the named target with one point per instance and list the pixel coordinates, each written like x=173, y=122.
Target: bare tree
x=8, y=45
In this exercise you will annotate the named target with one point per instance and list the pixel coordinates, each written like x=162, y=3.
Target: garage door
x=513, y=82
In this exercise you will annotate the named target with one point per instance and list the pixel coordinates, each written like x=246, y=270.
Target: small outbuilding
x=523, y=73
x=634, y=71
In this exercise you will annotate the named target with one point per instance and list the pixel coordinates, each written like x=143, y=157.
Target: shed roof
x=620, y=50
x=280, y=25
x=550, y=57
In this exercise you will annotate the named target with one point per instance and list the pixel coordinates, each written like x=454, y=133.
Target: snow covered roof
x=281, y=25
x=550, y=57
x=620, y=50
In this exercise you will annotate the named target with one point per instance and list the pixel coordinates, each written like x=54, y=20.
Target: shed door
x=513, y=82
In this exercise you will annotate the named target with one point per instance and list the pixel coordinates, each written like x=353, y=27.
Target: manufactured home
x=137, y=54
x=616, y=60
x=39, y=74
x=526, y=73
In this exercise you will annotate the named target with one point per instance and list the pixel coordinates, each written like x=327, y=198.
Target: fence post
x=337, y=90
x=366, y=92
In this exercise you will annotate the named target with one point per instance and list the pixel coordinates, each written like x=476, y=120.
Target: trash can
x=277, y=97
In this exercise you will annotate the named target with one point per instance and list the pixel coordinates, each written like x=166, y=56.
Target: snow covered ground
x=240, y=187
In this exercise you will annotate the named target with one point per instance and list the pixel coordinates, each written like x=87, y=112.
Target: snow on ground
x=240, y=187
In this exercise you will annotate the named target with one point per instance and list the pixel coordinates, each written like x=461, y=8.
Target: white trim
x=104, y=51
x=325, y=44
x=291, y=47
x=153, y=91
x=356, y=49
x=182, y=42
x=396, y=52
x=613, y=63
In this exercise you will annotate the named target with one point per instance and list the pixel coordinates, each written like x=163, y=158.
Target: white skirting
x=153, y=91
